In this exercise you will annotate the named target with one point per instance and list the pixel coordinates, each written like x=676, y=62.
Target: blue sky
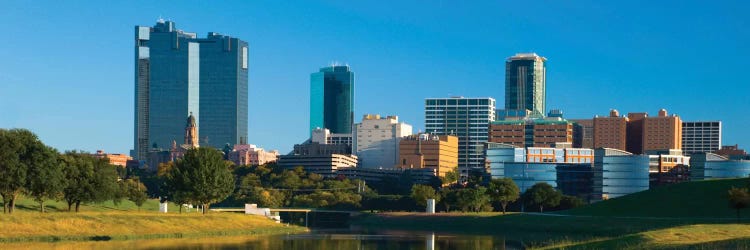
x=66, y=67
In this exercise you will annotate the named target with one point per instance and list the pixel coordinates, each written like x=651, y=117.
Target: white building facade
x=376, y=140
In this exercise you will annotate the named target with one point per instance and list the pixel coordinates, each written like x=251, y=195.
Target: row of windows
x=460, y=102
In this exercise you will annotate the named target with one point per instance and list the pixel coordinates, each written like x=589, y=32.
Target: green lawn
x=27, y=204
x=691, y=215
x=699, y=199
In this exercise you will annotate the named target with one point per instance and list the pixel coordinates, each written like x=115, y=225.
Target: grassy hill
x=697, y=199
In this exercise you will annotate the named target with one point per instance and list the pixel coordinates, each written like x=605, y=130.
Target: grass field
x=107, y=221
x=27, y=204
x=119, y=225
x=690, y=215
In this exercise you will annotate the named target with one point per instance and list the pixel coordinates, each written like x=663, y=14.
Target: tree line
x=31, y=168
x=204, y=177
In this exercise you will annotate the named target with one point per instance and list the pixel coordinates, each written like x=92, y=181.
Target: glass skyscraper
x=525, y=83
x=332, y=99
x=468, y=119
x=176, y=74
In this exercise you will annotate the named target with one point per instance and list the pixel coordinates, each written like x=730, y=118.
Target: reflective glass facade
x=613, y=173
x=526, y=175
x=525, y=83
x=707, y=166
x=332, y=99
x=224, y=90
x=618, y=173
x=176, y=74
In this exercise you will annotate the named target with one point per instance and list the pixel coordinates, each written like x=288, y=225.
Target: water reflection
x=314, y=240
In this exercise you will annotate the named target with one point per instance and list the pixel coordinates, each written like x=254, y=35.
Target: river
x=316, y=239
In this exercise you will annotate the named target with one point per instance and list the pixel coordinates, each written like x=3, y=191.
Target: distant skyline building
x=376, y=140
x=525, y=83
x=251, y=155
x=701, y=137
x=439, y=152
x=611, y=131
x=583, y=133
x=466, y=118
x=662, y=132
x=176, y=74
x=547, y=132
x=332, y=99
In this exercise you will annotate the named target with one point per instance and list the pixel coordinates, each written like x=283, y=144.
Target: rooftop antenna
x=160, y=20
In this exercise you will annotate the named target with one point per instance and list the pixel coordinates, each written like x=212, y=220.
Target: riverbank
x=26, y=226
x=549, y=232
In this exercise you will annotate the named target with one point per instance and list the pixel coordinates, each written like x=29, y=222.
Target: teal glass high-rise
x=525, y=83
x=332, y=99
x=177, y=73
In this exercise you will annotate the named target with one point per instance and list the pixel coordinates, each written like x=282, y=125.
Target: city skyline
x=89, y=94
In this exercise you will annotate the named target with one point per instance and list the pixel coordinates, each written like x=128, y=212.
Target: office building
x=662, y=132
x=376, y=140
x=583, y=133
x=531, y=132
x=707, y=166
x=733, y=152
x=324, y=136
x=251, y=155
x=438, y=152
x=323, y=164
x=569, y=170
x=618, y=172
x=114, y=159
x=332, y=99
x=590, y=174
x=176, y=74
x=466, y=118
x=611, y=131
x=663, y=161
x=525, y=83
x=701, y=137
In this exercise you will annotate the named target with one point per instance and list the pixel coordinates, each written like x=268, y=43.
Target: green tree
x=472, y=199
x=570, y=202
x=14, y=162
x=503, y=191
x=88, y=179
x=738, y=199
x=136, y=192
x=450, y=177
x=420, y=194
x=201, y=176
x=449, y=198
x=45, y=178
x=543, y=195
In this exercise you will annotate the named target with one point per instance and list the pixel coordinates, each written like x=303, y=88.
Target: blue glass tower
x=332, y=99
x=223, y=90
x=176, y=74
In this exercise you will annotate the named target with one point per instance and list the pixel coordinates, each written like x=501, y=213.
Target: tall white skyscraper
x=467, y=118
x=376, y=140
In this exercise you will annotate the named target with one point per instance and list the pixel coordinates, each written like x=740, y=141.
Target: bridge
x=292, y=210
